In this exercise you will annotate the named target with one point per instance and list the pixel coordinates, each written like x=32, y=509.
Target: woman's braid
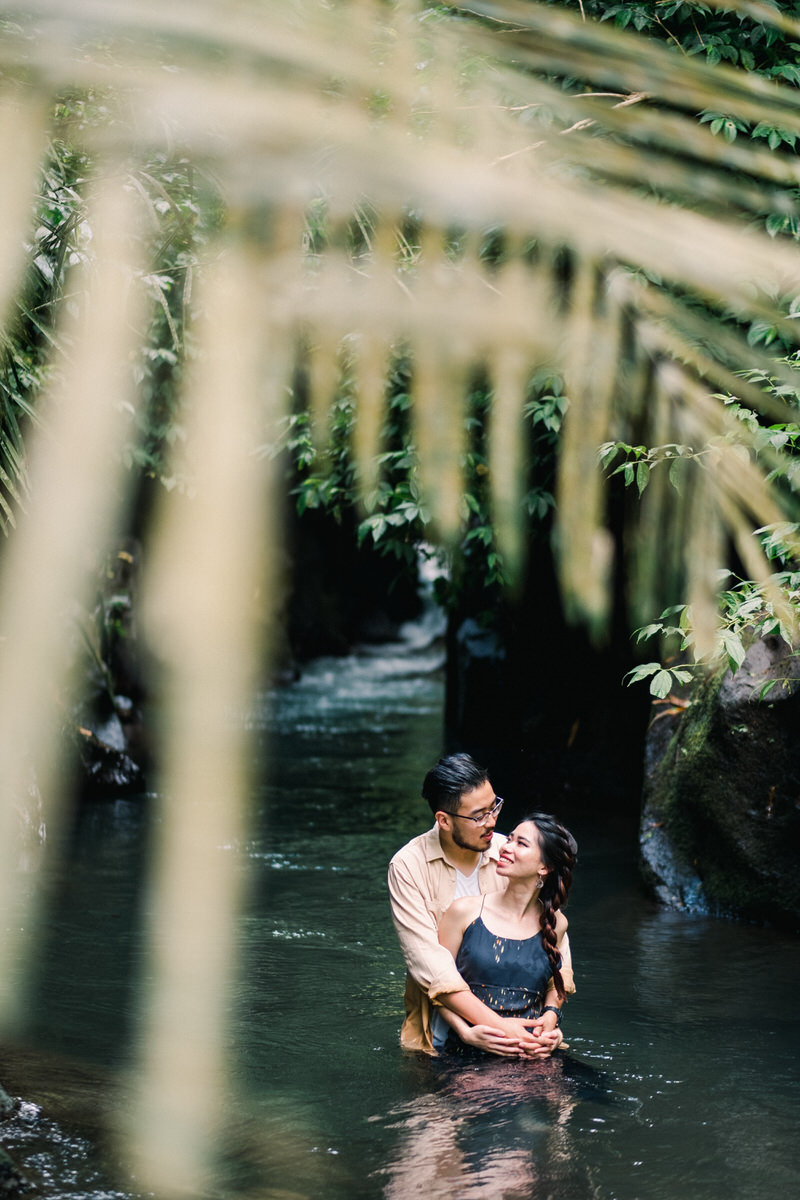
x=559, y=852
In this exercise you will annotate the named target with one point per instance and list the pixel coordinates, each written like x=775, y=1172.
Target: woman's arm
x=550, y=1022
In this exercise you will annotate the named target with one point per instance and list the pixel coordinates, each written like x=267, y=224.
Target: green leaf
x=377, y=526
x=607, y=453
x=648, y=631
x=733, y=648
x=677, y=473
x=637, y=674
x=671, y=610
x=642, y=476
x=660, y=684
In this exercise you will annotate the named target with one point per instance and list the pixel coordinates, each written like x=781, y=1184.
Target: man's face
x=469, y=835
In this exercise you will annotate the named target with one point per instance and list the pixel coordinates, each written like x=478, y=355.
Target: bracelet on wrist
x=557, y=1011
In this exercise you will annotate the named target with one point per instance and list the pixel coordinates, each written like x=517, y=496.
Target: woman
x=506, y=944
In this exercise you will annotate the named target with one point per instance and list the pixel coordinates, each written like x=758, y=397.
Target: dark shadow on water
x=490, y=1083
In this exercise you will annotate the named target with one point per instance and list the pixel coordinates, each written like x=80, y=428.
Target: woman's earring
x=540, y=884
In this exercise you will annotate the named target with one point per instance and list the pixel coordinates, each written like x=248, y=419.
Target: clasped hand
x=520, y=1038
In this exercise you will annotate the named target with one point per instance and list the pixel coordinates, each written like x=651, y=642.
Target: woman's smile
x=522, y=850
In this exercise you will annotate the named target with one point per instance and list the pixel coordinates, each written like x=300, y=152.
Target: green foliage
x=719, y=35
x=716, y=33
x=57, y=241
x=182, y=211
x=30, y=345
x=722, y=35
x=638, y=462
x=747, y=612
x=663, y=680
x=60, y=239
x=394, y=517
x=183, y=214
x=635, y=464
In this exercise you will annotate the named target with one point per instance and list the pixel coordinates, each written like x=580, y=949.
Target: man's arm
x=430, y=965
x=483, y=1037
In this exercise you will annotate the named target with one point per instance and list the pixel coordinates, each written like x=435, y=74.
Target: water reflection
x=488, y=1128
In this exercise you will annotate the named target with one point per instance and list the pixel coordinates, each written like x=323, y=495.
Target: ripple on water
x=288, y=862
x=670, y=1092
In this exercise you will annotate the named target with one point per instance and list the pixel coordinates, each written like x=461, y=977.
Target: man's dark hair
x=445, y=784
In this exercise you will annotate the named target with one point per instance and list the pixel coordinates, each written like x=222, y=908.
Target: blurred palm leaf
x=627, y=255
x=457, y=123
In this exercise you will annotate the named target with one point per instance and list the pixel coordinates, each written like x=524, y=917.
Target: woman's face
x=521, y=856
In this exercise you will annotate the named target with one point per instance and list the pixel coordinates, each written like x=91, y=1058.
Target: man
x=457, y=857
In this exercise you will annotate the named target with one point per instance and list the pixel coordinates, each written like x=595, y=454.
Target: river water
x=682, y=1078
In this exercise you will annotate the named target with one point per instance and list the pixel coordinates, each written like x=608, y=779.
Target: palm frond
x=631, y=263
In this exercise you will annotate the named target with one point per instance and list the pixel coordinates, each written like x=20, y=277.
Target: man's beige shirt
x=422, y=884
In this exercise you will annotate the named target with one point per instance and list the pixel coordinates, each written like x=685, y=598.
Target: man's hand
x=493, y=1041
x=519, y=1038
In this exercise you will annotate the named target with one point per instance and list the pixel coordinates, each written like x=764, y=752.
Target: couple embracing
x=480, y=924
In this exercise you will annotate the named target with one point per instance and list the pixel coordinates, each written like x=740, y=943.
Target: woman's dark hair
x=445, y=784
x=559, y=852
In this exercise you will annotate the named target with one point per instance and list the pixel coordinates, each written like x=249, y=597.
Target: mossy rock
x=721, y=817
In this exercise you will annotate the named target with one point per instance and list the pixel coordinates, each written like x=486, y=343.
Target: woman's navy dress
x=510, y=975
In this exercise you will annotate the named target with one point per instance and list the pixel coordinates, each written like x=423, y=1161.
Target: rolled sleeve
x=430, y=965
x=447, y=983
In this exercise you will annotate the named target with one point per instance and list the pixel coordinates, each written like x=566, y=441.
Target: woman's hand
x=546, y=1037
x=544, y=1042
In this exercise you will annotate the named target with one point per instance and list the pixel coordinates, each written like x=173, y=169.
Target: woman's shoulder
x=456, y=918
x=561, y=925
x=466, y=907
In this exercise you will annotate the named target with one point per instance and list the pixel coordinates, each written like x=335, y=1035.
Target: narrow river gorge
x=682, y=1078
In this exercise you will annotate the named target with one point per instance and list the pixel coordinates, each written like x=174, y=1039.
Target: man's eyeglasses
x=484, y=818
